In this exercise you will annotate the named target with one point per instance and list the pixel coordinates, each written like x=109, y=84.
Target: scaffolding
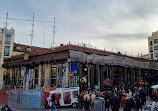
x=112, y=60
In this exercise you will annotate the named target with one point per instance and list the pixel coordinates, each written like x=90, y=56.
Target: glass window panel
x=155, y=40
x=7, y=39
x=67, y=97
x=54, y=72
x=155, y=47
x=6, y=50
x=156, y=54
x=75, y=94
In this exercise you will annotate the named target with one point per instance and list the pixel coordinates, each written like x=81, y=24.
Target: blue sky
x=116, y=25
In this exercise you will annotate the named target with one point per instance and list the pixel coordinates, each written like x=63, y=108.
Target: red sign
x=71, y=74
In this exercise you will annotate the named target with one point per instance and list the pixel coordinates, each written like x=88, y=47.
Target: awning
x=155, y=86
x=153, y=78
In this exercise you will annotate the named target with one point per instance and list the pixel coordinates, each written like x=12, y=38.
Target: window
x=6, y=50
x=155, y=47
x=151, y=56
x=75, y=94
x=28, y=49
x=54, y=72
x=53, y=76
x=19, y=47
x=151, y=49
x=7, y=39
x=156, y=54
x=67, y=97
x=155, y=40
x=151, y=43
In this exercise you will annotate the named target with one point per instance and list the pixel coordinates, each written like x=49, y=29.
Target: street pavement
x=58, y=109
x=148, y=102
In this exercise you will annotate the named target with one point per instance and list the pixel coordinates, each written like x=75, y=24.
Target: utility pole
x=54, y=32
x=32, y=32
x=6, y=20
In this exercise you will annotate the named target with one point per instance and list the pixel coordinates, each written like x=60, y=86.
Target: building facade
x=153, y=46
x=9, y=48
x=6, y=48
x=72, y=65
x=21, y=49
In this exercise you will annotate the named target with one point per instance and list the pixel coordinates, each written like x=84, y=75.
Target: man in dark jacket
x=115, y=102
x=135, y=102
x=86, y=104
x=107, y=100
x=142, y=96
x=127, y=103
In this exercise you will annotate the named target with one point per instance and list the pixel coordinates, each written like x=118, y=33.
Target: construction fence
x=33, y=98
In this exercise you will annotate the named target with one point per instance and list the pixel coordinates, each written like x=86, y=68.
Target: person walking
x=92, y=98
x=53, y=102
x=142, y=96
x=86, y=102
x=155, y=105
x=122, y=101
x=115, y=102
x=127, y=103
x=135, y=102
x=81, y=99
x=107, y=100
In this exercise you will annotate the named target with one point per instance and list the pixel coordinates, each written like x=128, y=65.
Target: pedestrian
x=115, y=102
x=81, y=99
x=142, y=96
x=119, y=93
x=96, y=88
x=107, y=100
x=92, y=97
x=6, y=108
x=53, y=102
x=129, y=93
x=127, y=103
x=145, y=94
x=122, y=101
x=155, y=105
x=86, y=105
x=86, y=102
x=135, y=102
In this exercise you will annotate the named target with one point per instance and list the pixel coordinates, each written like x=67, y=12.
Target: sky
x=113, y=25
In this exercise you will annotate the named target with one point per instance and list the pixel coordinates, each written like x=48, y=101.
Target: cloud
x=110, y=24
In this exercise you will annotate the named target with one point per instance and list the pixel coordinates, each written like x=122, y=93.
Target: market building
x=72, y=65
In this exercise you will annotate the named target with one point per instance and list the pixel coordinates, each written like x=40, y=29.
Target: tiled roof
x=45, y=51
x=20, y=56
x=25, y=48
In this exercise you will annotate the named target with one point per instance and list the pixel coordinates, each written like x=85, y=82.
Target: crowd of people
x=125, y=98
